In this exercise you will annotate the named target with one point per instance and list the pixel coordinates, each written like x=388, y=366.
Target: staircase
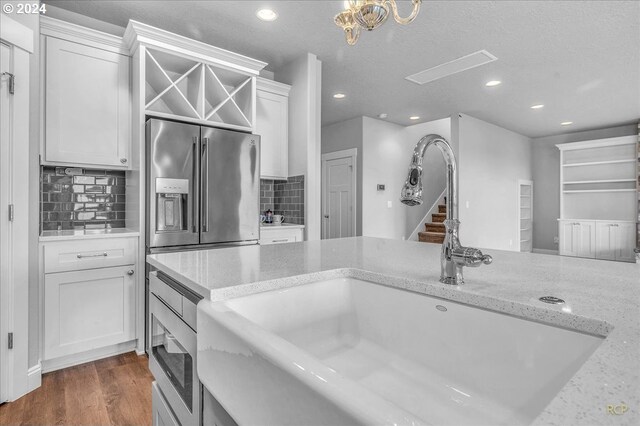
x=434, y=231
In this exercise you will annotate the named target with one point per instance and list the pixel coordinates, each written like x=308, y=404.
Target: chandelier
x=370, y=14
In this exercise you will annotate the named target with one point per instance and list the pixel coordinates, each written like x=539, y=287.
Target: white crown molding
x=138, y=34
x=15, y=33
x=266, y=85
x=597, y=143
x=65, y=30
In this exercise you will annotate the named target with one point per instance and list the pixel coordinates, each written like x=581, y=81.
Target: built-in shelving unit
x=598, y=198
x=525, y=206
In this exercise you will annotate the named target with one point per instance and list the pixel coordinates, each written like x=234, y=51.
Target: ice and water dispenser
x=171, y=204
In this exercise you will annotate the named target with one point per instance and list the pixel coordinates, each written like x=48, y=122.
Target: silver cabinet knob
x=123, y=160
x=130, y=272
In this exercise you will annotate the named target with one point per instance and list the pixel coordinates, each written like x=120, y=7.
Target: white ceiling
x=581, y=59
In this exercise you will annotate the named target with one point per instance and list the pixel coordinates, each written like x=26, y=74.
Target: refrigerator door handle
x=195, y=205
x=204, y=184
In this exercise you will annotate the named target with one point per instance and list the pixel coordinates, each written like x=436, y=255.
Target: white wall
x=346, y=135
x=304, y=74
x=385, y=162
x=546, y=180
x=491, y=160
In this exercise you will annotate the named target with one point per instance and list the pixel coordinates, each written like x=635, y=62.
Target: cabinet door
x=605, y=241
x=625, y=242
x=567, y=241
x=585, y=235
x=85, y=310
x=87, y=105
x=272, y=118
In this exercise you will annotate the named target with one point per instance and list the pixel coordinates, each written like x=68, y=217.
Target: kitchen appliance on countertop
x=203, y=186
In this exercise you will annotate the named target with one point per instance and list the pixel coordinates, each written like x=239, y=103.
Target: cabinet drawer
x=280, y=236
x=88, y=254
x=168, y=295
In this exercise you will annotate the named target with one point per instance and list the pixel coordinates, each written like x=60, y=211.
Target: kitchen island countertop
x=602, y=298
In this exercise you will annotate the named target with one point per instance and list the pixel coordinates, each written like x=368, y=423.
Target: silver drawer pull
x=284, y=240
x=82, y=256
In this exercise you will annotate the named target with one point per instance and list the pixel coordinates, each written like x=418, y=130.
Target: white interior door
x=5, y=308
x=338, y=194
x=16, y=44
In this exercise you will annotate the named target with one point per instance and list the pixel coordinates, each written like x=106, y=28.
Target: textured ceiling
x=581, y=59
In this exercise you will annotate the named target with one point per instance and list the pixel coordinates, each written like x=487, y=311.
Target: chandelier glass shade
x=369, y=15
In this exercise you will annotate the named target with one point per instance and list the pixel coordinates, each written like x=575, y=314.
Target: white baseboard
x=545, y=251
x=88, y=356
x=34, y=377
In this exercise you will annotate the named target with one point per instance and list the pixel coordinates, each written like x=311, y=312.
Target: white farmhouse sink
x=346, y=351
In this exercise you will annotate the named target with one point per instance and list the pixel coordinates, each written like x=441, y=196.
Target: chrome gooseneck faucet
x=453, y=256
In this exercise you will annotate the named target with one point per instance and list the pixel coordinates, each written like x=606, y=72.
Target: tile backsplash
x=94, y=199
x=285, y=197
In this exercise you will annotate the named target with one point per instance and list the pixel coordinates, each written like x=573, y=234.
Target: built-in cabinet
x=280, y=234
x=272, y=124
x=87, y=99
x=615, y=241
x=89, y=294
x=598, y=199
x=577, y=238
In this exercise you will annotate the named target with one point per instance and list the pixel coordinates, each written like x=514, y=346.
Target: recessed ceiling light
x=383, y=115
x=267, y=15
x=537, y=106
x=339, y=95
x=414, y=117
x=566, y=123
x=493, y=83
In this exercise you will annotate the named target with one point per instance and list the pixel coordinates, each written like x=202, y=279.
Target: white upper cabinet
x=180, y=78
x=272, y=124
x=87, y=105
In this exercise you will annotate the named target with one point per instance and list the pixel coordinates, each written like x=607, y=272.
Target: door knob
x=326, y=216
x=123, y=160
x=130, y=272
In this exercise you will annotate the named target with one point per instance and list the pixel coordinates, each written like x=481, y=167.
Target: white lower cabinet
x=90, y=309
x=615, y=241
x=162, y=415
x=606, y=240
x=280, y=235
x=578, y=238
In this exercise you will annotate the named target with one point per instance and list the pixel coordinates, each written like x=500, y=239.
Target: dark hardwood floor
x=111, y=391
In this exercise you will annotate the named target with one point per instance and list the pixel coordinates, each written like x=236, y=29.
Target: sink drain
x=552, y=300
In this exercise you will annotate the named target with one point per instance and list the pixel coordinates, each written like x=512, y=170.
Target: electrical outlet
x=556, y=240
x=389, y=204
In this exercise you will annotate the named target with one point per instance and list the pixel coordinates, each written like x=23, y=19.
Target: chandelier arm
x=408, y=19
x=352, y=35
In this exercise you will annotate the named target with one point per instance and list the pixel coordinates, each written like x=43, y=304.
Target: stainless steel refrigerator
x=203, y=186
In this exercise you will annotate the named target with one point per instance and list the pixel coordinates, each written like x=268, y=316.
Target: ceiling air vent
x=464, y=63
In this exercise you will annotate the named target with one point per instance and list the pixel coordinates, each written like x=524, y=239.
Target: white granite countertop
x=75, y=234
x=602, y=298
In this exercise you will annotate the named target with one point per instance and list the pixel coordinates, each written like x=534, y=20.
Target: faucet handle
x=469, y=256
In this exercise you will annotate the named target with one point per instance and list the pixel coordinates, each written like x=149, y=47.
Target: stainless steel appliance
x=203, y=185
x=172, y=349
